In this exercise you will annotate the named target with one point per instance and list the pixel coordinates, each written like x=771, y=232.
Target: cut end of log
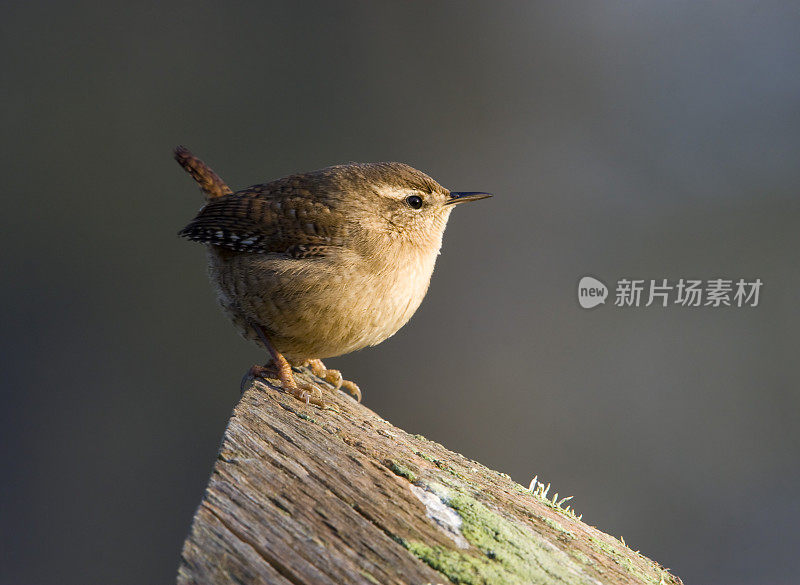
x=302, y=495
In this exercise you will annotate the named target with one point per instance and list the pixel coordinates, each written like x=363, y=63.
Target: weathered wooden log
x=308, y=496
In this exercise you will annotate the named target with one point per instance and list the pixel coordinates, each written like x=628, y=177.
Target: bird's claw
x=307, y=393
x=334, y=378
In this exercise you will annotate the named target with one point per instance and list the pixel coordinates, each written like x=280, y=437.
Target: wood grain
x=303, y=495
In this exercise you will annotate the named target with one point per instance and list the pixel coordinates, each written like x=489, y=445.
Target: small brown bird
x=321, y=264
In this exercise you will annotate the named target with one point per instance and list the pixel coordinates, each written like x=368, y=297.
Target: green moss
x=507, y=553
x=304, y=416
x=401, y=470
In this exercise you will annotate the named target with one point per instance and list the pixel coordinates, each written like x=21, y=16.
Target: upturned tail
x=209, y=181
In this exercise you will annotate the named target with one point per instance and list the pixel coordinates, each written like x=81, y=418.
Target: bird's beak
x=463, y=196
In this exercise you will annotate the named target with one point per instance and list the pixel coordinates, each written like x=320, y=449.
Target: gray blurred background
x=622, y=139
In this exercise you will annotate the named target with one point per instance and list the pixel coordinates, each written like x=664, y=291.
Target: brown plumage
x=320, y=264
x=209, y=181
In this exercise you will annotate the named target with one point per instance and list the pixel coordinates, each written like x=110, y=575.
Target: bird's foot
x=280, y=369
x=334, y=378
x=304, y=392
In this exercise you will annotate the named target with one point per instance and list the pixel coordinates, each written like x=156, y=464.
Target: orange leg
x=280, y=367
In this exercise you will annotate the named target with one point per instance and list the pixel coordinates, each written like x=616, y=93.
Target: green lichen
x=558, y=528
x=623, y=559
x=460, y=567
x=539, y=491
x=401, y=470
x=444, y=466
x=582, y=557
x=506, y=553
x=304, y=416
x=603, y=547
x=425, y=456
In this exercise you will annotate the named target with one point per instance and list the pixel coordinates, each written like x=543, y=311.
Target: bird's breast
x=381, y=299
x=321, y=307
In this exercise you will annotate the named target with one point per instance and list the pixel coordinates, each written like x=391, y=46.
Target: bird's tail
x=209, y=181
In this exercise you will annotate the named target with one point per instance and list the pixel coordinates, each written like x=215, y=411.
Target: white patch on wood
x=443, y=515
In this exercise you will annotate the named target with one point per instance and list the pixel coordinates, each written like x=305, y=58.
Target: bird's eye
x=414, y=201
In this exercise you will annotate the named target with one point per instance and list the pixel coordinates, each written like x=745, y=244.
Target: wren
x=321, y=264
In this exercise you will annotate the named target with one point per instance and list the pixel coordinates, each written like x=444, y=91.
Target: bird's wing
x=276, y=217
